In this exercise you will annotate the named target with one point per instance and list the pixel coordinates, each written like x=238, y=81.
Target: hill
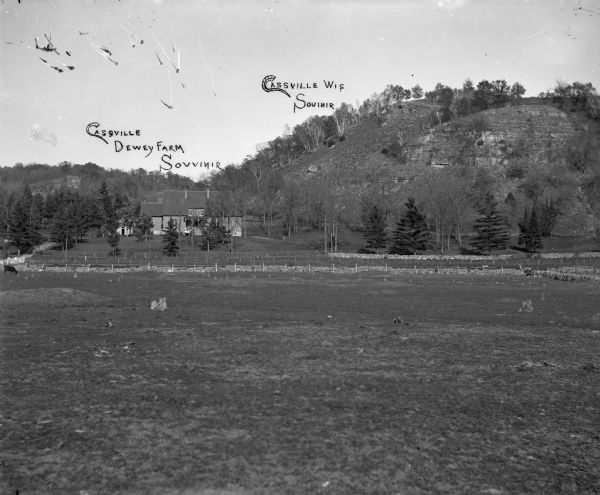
x=523, y=153
x=535, y=157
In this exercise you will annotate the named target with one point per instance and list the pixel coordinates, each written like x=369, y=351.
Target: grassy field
x=298, y=384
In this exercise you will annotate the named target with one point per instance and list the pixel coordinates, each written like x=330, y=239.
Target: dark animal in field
x=10, y=269
x=529, y=272
x=400, y=321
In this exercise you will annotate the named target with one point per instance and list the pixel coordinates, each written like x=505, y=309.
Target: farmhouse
x=190, y=210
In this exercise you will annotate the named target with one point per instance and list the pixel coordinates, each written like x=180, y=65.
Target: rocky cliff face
x=491, y=138
x=487, y=139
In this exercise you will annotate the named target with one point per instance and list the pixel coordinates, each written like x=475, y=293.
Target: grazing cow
x=10, y=269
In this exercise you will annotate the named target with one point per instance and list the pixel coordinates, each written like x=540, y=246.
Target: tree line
x=412, y=234
x=65, y=216
x=87, y=179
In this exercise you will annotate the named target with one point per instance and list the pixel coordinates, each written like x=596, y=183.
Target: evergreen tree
x=411, y=234
x=51, y=205
x=120, y=202
x=108, y=213
x=92, y=212
x=62, y=230
x=77, y=216
x=490, y=229
x=530, y=236
x=375, y=230
x=171, y=239
x=548, y=216
x=37, y=211
x=4, y=209
x=212, y=234
x=21, y=229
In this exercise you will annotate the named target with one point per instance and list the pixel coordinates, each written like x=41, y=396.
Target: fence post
x=216, y=266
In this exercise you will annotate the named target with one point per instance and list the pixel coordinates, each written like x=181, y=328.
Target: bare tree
x=343, y=116
x=310, y=133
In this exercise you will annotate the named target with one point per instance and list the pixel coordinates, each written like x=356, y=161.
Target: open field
x=264, y=383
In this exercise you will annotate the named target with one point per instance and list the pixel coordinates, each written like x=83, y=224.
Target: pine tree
x=109, y=216
x=490, y=229
x=21, y=228
x=375, y=230
x=548, y=215
x=37, y=211
x=411, y=234
x=212, y=234
x=92, y=213
x=61, y=228
x=171, y=239
x=530, y=236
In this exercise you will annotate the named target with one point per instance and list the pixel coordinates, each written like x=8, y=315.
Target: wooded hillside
x=453, y=153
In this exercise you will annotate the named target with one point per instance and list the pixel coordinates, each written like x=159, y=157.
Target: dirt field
x=282, y=384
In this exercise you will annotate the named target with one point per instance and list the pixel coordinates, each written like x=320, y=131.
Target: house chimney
x=207, y=193
x=185, y=193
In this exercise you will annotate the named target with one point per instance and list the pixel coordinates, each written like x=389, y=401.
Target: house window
x=195, y=212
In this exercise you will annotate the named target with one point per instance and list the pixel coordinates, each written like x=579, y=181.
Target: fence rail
x=305, y=260
x=569, y=274
x=289, y=257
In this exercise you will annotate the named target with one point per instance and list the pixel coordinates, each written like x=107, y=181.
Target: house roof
x=177, y=203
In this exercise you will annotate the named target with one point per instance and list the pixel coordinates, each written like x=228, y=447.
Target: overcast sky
x=129, y=55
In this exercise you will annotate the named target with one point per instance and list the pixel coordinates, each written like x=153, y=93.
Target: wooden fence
x=257, y=260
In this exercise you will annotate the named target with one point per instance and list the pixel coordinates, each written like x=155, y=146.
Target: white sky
x=228, y=47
